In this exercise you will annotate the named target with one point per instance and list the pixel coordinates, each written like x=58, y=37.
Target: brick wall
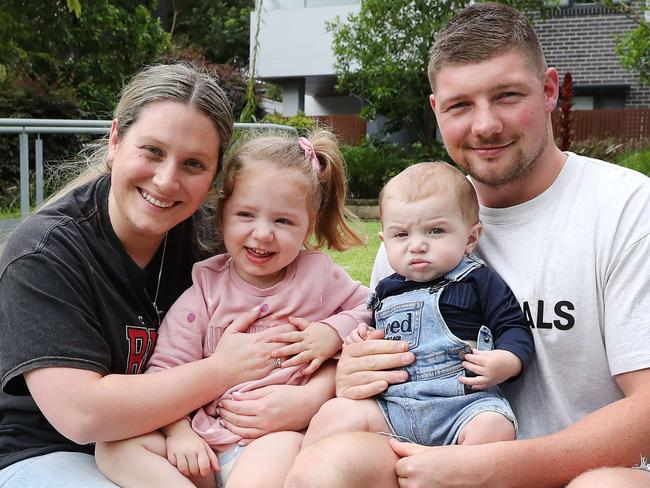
x=580, y=40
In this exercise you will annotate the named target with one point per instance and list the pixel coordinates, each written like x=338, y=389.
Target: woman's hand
x=365, y=368
x=259, y=412
x=241, y=356
x=277, y=407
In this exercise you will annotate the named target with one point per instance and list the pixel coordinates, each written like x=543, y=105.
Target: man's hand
x=366, y=369
x=440, y=467
x=491, y=368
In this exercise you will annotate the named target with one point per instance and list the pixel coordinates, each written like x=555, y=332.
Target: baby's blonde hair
x=423, y=180
x=326, y=188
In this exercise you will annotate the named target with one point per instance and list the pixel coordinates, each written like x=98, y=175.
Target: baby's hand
x=491, y=368
x=360, y=334
x=191, y=455
x=314, y=343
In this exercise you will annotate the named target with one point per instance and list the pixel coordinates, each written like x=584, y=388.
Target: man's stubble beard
x=522, y=166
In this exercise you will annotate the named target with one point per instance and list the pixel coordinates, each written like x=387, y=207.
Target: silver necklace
x=162, y=263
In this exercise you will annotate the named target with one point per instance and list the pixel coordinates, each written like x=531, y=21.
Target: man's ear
x=551, y=89
x=473, y=237
x=381, y=236
x=113, y=139
x=432, y=101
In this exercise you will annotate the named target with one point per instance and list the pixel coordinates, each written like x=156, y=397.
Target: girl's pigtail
x=333, y=221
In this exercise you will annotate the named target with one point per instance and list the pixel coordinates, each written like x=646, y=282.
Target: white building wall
x=293, y=42
x=332, y=105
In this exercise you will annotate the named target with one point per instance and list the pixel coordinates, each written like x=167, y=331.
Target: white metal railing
x=25, y=127
x=291, y=4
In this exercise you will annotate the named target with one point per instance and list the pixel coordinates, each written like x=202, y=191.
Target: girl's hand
x=186, y=450
x=360, y=334
x=313, y=344
x=491, y=368
x=241, y=356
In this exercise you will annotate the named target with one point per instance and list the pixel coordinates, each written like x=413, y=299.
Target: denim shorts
x=439, y=421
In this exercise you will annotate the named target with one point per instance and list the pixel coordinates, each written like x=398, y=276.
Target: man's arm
x=615, y=435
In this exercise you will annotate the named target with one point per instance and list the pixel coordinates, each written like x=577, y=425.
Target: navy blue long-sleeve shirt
x=480, y=298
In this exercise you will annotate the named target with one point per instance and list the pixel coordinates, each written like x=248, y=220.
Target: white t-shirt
x=577, y=258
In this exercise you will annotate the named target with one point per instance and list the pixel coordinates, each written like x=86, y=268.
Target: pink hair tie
x=310, y=154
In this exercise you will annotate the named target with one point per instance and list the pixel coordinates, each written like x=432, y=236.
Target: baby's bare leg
x=345, y=415
x=266, y=461
x=358, y=459
x=612, y=477
x=487, y=427
x=139, y=462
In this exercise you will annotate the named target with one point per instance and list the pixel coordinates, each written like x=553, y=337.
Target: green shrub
x=606, y=149
x=631, y=154
x=300, y=122
x=372, y=164
x=24, y=98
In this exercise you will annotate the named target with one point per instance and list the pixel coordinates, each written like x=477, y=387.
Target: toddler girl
x=280, y=200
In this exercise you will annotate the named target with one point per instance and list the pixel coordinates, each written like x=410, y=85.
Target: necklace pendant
x=159, y=313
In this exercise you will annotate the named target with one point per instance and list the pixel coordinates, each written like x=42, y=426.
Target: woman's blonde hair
x=326, y=185
x=180, y=82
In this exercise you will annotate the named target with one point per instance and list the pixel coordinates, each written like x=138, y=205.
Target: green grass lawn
x=9, y=213
x=358, y=260
x=638, y=160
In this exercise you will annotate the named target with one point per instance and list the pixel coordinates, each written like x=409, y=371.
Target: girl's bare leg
x=265, y=462
x=139, y=462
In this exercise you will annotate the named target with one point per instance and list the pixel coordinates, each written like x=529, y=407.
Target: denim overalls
x=432, y=407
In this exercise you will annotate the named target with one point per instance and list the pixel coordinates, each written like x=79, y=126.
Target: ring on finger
x=277, y=362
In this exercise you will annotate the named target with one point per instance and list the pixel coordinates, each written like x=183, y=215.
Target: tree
x=68, y=59
x=566, y=132
x=220, y=27
x=633, y=47
x=381, y=55
x=89, y=50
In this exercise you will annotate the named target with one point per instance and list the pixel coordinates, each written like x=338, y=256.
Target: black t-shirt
x=70, y=296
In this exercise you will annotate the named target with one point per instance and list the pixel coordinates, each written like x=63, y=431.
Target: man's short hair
x=423, y=180
x=481, y=31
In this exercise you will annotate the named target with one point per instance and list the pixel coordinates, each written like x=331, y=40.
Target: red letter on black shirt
x=141, y=343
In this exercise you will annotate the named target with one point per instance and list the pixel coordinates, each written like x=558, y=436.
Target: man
x=571, y=236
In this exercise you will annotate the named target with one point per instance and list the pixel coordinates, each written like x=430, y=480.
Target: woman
x=85, y=280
